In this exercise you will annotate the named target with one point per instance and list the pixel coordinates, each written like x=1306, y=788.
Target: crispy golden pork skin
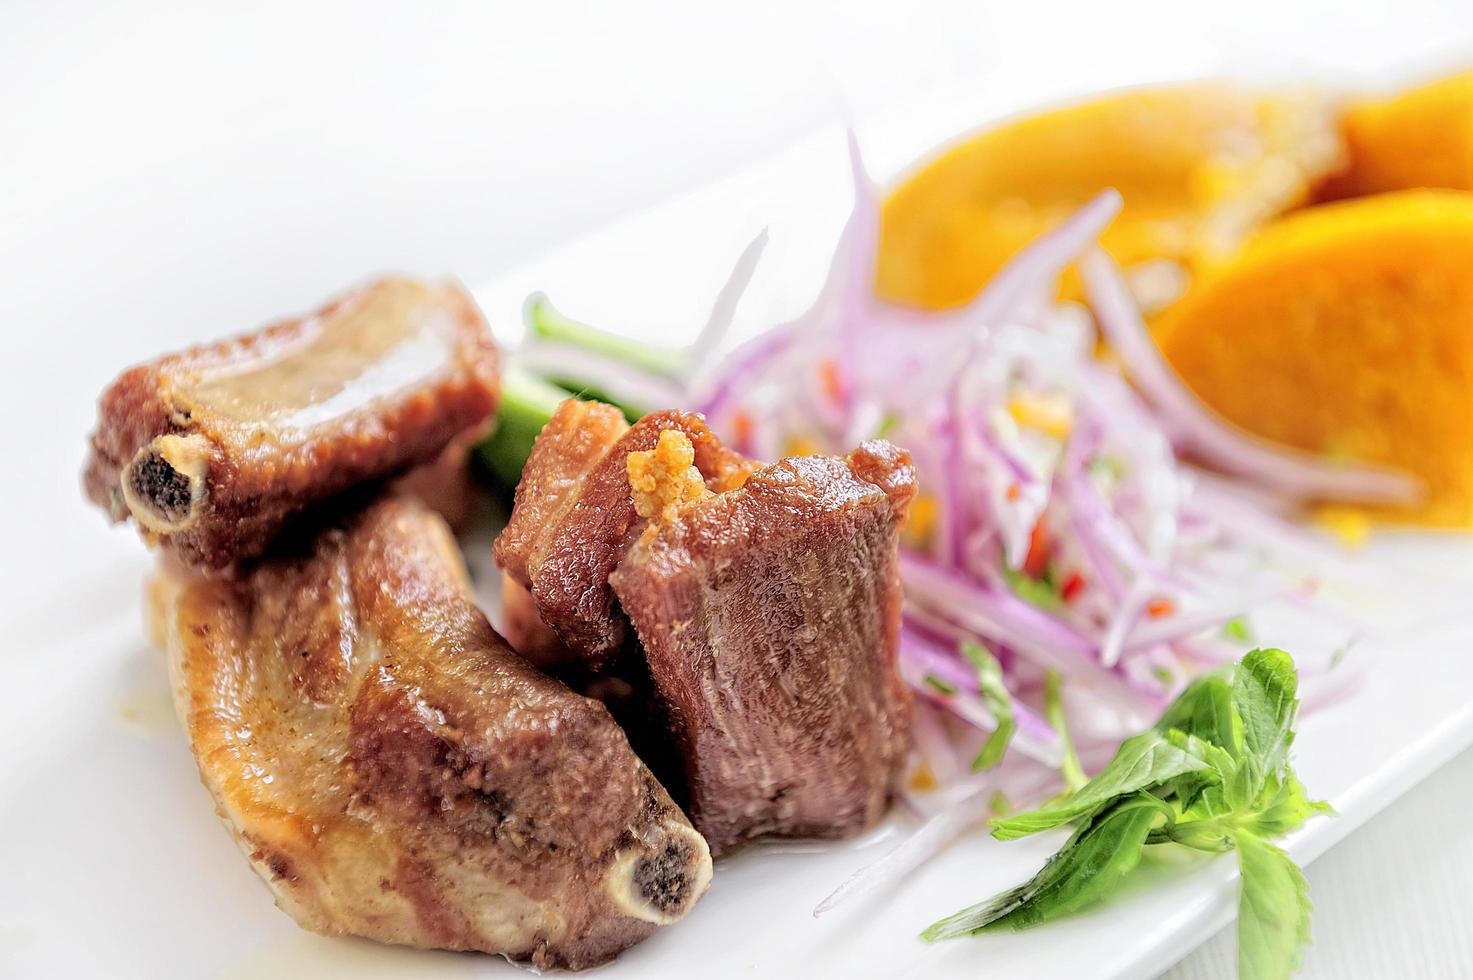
x=394, y=771
x=210, y=451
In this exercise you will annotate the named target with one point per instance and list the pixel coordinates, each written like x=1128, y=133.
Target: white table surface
x=170, y=172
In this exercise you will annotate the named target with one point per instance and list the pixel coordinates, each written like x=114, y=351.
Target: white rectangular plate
x=116, y=865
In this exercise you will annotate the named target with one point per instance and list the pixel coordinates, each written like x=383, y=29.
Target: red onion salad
x=1057, y=531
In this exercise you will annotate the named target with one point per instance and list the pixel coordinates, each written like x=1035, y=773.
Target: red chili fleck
x=828, y=376
x=1072, y=588
x=1014, y=492
x=1159, y=607
x=741, y=426
x=1036, y=563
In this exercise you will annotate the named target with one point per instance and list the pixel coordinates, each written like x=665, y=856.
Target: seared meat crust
x=765, y=612
x=574, y=515
x=393, y=770
x=212, y=450
x=769, y=617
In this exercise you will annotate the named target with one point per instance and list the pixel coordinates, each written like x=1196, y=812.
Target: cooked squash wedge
x=1200, y=166
x=1347, y=329
x=1422, y=137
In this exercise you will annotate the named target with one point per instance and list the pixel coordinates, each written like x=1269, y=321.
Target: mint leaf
x=999, y=701
x=1273, y=911
x=1205, y=709
x=1218, y=759
x=1264, y=685
x=1142, y=761
x=1213, y=775
x=1095, y=861
x=1264, y=688
x=1284, y=808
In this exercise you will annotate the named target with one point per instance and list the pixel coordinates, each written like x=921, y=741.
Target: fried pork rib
x=212, y=450
x=768, y=611
x=769, y=617
x=394, y=771
x=574, y=516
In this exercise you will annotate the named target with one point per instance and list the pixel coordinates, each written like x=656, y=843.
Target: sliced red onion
x=1102, y=568
x=1124, y=620
x=952, y=501
x=1042, y=260
x=617, y=379
x=723, y=310
x=972, y=806
x=1206, y=434
x=842, y=302
x=1233, y=513
x=1028, y=630
x=860, y=247
x=934, y=836
x=740, y=366
x=1179, y=626
x=920, y=619
x=1009, y=619
x=935, y=746
x=920, y=658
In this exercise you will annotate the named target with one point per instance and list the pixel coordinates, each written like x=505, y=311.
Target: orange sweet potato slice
x=1422, y=137
x=1200, y=166
x=1347, y=330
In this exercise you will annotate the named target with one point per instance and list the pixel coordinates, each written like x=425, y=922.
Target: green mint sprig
x=1213, y=775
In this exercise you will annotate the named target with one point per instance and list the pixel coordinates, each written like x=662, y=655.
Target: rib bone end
x=660, y=880
x=164, y=486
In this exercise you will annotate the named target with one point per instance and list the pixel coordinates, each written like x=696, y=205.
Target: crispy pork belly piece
x=210, y=451
x=574, y=515
x=393, y=770
x=769, y=617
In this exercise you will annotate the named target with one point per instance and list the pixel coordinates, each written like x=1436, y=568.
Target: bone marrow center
x=164, y=485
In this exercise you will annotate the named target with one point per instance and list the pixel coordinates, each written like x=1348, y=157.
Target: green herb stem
x=1053, y=711
x=999, y=701
x=545, y=322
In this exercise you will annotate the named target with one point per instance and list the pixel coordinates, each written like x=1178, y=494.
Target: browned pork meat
x=574, y=517
x=394, y=771
x=767, y=604
x=448, y=483
x=528, y=635
x=769, y=618
x=212, y=450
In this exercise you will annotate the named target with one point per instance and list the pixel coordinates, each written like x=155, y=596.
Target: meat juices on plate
x=211, y=451
x=767, y=607
x=393, y=770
